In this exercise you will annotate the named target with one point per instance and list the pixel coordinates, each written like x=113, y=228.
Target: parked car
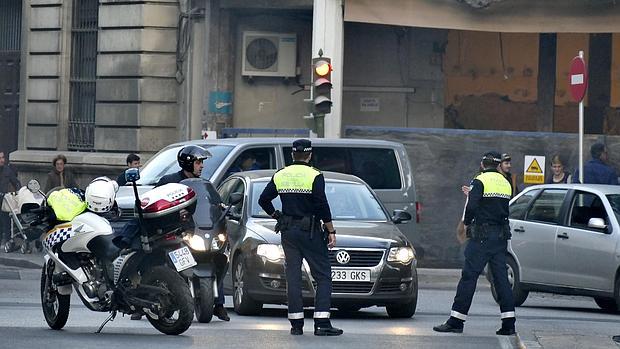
x=566, y=240
x=373, y=263
x=383, y=165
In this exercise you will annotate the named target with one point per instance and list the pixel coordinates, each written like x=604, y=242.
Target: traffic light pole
x=328, y=35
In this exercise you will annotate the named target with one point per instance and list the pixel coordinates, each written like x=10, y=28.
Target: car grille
x=351, y=287
x=359, y=258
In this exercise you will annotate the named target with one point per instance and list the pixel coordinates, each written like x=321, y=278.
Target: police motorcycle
x=209, y=244
x=80, y=254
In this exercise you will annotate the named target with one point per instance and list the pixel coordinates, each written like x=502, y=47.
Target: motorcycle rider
x=190, y=158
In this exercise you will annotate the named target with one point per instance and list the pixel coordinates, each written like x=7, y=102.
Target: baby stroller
x=16, y=204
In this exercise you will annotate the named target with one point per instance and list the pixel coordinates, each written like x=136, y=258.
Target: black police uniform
x=302, y=191
x=486, y=216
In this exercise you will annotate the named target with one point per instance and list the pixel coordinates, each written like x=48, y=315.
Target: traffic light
x=322, y=85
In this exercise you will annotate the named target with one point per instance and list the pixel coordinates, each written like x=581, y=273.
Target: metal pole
x=581, y=134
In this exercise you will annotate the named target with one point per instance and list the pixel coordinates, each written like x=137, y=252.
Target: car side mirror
x=401, y=216
x=598, y=224
x=235, y=198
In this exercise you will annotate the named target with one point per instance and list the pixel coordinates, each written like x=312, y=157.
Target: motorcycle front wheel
x=177, y=308
x=204, y=299
x=55, y=306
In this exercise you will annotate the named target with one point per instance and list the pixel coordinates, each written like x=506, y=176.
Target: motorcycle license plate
x=182, y=258
x=350, y=274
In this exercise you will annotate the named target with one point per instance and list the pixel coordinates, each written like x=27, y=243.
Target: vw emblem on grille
x=343, y=257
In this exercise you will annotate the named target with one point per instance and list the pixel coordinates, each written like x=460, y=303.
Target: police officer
x=486, y=219
x=302, y=192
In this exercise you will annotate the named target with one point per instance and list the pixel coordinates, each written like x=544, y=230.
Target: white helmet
x=100, y=194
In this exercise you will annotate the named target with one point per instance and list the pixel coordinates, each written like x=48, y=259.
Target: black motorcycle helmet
x=187, y=155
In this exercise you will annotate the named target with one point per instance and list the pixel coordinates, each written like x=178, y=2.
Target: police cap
x=302, y=146
x=492, y=156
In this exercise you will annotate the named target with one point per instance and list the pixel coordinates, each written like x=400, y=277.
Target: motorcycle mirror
x=132, y=175
x=235, y=198
x=33, y=185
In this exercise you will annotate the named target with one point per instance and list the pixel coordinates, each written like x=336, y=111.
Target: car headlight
x=195, y=242
x=402, y=255
x=218, y=241
x=271, y=252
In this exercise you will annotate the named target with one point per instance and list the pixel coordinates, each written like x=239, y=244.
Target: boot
x=327, y=331
x=453, y=325
x=221, y=312
x=297, y=331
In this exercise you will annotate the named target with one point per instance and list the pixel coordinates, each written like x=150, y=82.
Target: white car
x=566, y=240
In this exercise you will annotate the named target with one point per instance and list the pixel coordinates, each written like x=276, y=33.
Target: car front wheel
x=518, y=293
x=243, y=304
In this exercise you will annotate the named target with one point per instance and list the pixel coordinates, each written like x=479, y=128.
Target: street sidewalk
x=443, y=279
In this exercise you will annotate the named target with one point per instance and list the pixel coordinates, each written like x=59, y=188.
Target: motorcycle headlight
x=218, y=241
x=195, y=242
x=271, y=252
x=402, y=255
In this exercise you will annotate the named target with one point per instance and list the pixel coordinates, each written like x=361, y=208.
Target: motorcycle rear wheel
x=55, y=306
x=178, y=307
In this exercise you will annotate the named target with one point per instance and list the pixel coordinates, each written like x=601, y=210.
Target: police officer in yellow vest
x=486, y=219
x=304, y=205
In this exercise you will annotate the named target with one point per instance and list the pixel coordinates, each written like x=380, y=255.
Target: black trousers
x=297, y=246
x=477, y=255
x=5, y=225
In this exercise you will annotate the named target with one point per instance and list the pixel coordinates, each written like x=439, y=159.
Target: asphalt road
x=543, y=322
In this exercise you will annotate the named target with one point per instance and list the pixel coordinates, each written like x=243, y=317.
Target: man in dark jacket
x=133, y=161
x=597, y=171
x=7, y=177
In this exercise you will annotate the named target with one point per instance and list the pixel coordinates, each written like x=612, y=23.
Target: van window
x=254, y=159
x=376, y=166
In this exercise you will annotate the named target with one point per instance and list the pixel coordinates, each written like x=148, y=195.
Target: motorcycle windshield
x=208, y=205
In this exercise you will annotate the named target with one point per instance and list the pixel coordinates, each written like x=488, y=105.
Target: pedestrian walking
x=133, y=161
x=60, y=176
x=304, y=205
x=8, y=182
x=486, y=221
x=597, y=171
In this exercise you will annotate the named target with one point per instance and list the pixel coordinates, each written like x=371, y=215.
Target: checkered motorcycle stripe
x=57, y=236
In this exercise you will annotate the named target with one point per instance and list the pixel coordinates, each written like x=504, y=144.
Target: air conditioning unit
x=269, y=54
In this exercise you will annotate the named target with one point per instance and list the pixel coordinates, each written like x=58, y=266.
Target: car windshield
x=165, y=162
x=347, y=201
x=614, y=200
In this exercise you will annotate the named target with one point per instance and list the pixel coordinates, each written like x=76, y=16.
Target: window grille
x=83, y=75
x=10, y=25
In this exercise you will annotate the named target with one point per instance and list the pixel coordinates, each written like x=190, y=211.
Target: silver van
x=383, y=165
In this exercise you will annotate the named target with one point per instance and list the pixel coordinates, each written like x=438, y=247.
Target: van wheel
x=518, y=293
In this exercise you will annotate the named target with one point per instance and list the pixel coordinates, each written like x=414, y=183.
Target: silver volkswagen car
x=566, y=240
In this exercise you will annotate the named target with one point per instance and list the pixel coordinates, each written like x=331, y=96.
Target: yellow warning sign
x=534, y=167
x=534, y=173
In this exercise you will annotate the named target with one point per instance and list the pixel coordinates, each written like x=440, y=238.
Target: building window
x=83, y=74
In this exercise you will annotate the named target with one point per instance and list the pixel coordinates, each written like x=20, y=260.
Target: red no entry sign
x=577, y=79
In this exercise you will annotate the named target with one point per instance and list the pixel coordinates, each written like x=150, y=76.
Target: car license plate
x=182, y=258
x=350, y=274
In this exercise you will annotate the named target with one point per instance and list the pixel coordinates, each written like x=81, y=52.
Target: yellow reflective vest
x=295, y=179
x=495, y=185
x=66, y=204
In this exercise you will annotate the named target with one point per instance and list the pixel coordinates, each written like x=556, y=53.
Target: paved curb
x=20, y=263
